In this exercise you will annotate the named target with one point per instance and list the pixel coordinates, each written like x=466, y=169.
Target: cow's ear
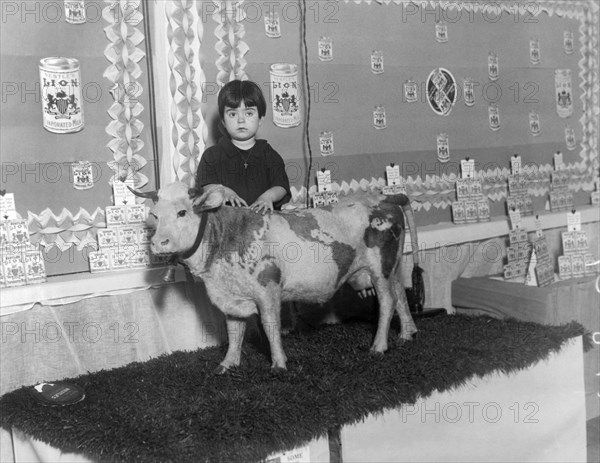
x=211, y=198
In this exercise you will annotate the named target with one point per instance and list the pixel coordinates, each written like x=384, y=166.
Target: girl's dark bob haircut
x=236, y=92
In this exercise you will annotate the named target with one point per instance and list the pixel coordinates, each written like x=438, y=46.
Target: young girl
x=251, y=171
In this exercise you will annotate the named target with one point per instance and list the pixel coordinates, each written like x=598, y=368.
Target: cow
x=250, y=262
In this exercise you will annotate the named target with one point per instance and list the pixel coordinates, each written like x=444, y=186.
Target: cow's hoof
x=220, y=370
x=408, y=338
x=376, y=353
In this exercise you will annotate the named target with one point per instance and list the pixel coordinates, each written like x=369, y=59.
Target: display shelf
x=433, y=236
x=64, y=289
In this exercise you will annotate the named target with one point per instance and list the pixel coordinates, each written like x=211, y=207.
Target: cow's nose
x=164, y=243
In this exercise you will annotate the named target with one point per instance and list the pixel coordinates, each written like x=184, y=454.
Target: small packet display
x=325, y=198
x=21, y=262
x=14, y=269
x=135, y=214
x=115, y=215
x=565, y=267
x=576, y=252
x=99, y=261
x=518, y=253
x=561, y=198
x=125, y=242
x=107, y=238
x=119, y=259
x=471, y=205
x=35, y=271
x=140, y=258
x=459, y=214
x=518, y=194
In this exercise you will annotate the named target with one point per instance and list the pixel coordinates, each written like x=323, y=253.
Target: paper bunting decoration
x=229, y=16
x=187, y=81
x=123, y=73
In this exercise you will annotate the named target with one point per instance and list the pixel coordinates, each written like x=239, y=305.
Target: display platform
x=575, y=299
x=174, y=408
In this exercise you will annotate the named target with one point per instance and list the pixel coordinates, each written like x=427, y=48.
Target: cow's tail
x=417, y=293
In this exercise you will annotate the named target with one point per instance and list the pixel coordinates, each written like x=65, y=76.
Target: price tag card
x=574, y=221
x=467, y=168
x=515, y=218
x=558, y=161
x=393, y=174
x=324, y=180
x=7, y=207
x=122, y=194
x=538, y=227
x=515, y=164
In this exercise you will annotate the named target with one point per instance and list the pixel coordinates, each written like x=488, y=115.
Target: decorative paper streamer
x=66, y=229
x=186, y=78
x=230, y=30
x=123, y=73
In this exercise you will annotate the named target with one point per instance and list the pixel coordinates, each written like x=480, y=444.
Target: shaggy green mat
x=172, y=409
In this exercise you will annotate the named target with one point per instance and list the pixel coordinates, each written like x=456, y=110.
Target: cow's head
x=175, y=217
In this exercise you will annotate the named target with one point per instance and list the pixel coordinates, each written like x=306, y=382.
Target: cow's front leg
x=236, y=327
x=386, y=311
x=270, y=315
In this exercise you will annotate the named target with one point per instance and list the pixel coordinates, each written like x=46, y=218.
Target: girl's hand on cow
x=232, y=198
x=262, y=205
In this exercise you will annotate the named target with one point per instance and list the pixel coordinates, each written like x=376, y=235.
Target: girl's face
x=241, y=123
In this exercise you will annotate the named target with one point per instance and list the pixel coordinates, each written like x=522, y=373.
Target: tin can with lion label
x=285, y=95
x=60, y=85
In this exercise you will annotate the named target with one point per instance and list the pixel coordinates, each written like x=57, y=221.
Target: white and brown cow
x=250, y=263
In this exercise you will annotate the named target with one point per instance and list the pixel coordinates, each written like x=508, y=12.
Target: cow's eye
x=181, y=213
x=154, y=215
